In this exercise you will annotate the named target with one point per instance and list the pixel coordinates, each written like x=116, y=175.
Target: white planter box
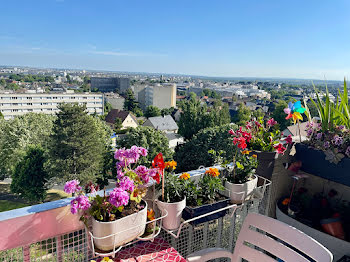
x=173, y=219
x=240, y=192
x=134, y=224
x=337, y=246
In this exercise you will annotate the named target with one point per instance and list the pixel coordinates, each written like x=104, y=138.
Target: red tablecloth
x=157, y=251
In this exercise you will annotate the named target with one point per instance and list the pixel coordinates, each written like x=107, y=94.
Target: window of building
x=30, y=98
x=14, y=97
x=29, y=104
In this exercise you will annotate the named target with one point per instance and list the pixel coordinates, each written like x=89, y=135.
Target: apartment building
x=15, y=104
x=161, y=96
x=110, y=84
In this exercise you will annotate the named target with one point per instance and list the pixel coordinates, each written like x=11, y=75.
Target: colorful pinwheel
x=294, y=111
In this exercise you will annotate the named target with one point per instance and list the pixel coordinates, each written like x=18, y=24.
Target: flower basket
x=314, y=162
x=120, y=231
x=192, y=212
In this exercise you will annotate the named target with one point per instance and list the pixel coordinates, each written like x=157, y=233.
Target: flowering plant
x=174, y=185
x=126, y=196
x=243, y=168
x=206, y=190
x=335, y=143
x=259, y=135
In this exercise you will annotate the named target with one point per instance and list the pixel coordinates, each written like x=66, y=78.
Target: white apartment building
x=161, y=96
x=15, y=104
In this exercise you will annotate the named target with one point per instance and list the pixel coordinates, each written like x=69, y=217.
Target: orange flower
x=171, y=165
x=285, y=202
x=255, y=156
x=150, y=215
x=214, y=172
x=185, y=176
x=246, y=152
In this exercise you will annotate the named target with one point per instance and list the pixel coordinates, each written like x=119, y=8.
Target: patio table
x=157, y=251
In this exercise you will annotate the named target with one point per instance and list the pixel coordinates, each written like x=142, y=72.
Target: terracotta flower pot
x=333, y=226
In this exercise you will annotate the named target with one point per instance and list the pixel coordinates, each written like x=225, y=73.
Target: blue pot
x=192, y=212
x=314, y=162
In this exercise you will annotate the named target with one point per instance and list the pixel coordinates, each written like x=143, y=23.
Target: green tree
x=17, y=134
x=279, y=115
x=30, y=177
x=12, y=86
x=79, y=144
x=2, y=82
x=258, y=113
x=108, y=108
x=194, y=153
x=130, y=103
x=196, y=116
x=117, y=124
x=155, y=141
x=167, y=111
x=152, y=111
x=1, y=116
x=243, y=115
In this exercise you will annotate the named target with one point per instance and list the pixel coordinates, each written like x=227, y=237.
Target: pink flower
x=289, y=139
x=126, y=184
x=280, y=148
x=72, y=187
x=83, y=202
x=119, y=197
x=271, y=122
x=240, y=142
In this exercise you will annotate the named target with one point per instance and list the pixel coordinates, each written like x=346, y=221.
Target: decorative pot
x=240, y=192
x=266, y=163
x=335, y=172
x=333, y=226
x=192, y=212
x=173, y=220
x=122, y=230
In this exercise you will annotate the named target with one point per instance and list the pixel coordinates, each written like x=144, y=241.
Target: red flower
x=280, y=148
x=271, y=122
x=231, y=132
x=289, y=139
x=247, y=136
x=240, y=142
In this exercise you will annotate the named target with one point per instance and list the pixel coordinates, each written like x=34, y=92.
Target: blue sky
x=255, y=38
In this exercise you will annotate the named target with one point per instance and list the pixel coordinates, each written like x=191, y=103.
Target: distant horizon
x=261, y=39
x=184, y=75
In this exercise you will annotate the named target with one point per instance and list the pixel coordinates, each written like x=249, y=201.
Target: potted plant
x=263, y=138
x=240, y=178
x=122, y=208
x=203, y=197
x=329, y=140
x=152, y=229
x=172, y=200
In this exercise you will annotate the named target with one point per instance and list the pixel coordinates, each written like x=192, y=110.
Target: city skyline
x=227, y=39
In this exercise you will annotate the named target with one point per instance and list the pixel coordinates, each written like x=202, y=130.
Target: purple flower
x=319, y=136
x=126, y=184
x=119, y=197
x=309, y=125
x=326, y=144
x=74, y=206
x=83, y=202
x=119, y=154
x=143, y=151
x=341, y=127
x=309, y=132
x=347, y=151
x=72, y=186
x=337, y=140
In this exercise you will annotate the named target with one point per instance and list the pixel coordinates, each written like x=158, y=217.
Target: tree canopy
x=194, y=153
x=130, y=103
x=242, y=116
x=78, y=144
x=153, y=140
x=152, y=111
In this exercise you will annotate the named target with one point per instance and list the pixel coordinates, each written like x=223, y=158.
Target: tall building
x=161, y=96
x=110, y=84
x=17, y=104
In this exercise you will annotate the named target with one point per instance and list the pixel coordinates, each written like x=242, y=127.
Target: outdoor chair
x=264, y=239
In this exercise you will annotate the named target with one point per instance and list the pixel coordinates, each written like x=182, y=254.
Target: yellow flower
x=185, y=176
x=171, y=165
x=255, y=156
x=246, y=152
x=150, y=215
x=214, y=172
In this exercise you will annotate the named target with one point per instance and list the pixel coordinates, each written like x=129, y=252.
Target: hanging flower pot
x=240, y=192
x=174, y=210
x=134, y=225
